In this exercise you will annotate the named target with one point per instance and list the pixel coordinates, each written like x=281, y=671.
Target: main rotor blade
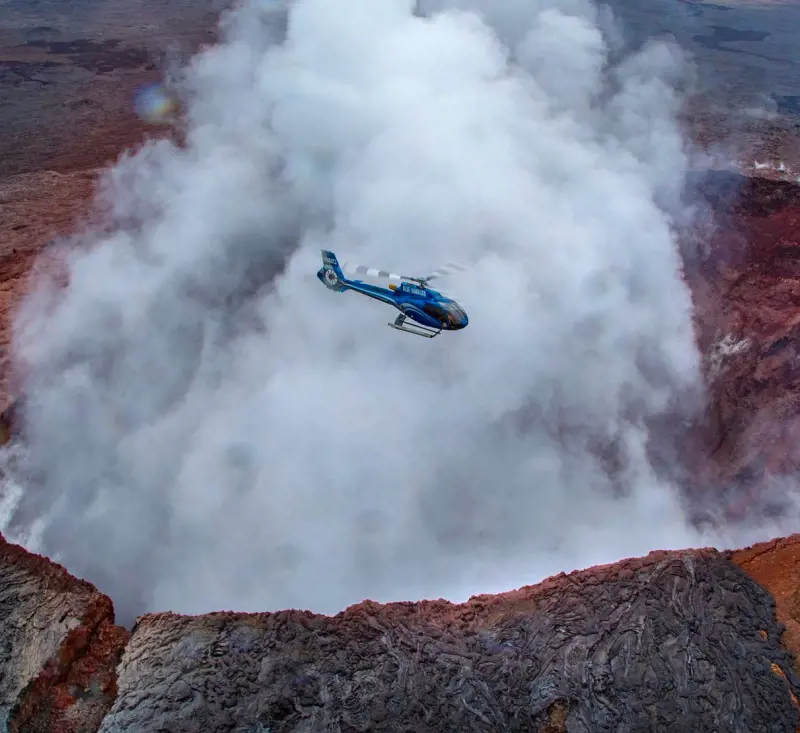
x=445, y=270
x=352, y=269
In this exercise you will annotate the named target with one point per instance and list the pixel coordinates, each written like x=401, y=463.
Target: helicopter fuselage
x=425, y=306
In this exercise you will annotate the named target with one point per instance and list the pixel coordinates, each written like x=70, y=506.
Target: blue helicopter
x=423, y=312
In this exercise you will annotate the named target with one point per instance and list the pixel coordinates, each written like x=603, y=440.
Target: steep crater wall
x=742, y=262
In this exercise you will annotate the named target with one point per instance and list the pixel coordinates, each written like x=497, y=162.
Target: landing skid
x=401, y=324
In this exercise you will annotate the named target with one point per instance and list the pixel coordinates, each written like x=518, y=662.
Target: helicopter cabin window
x=434, y=310
x=454, y=314
x=455, y=310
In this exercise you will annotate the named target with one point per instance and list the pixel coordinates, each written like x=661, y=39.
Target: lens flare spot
x=155, y=104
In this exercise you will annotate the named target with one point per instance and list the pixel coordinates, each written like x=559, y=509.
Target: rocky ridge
x=675, y=641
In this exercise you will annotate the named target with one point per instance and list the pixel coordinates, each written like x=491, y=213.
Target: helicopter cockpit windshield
x=455, y=314
x=448, y=313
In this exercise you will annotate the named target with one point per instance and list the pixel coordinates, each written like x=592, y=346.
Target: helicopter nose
x=464, y=321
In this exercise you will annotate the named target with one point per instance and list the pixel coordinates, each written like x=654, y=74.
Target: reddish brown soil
x=776, y=566
x=35, y=209
x=68, y=77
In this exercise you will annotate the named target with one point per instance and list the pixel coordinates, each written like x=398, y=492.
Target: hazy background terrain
x=208, y=427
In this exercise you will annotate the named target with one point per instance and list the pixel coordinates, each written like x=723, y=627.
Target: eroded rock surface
x=58, y=647
x=671, y=642
x=675, y=641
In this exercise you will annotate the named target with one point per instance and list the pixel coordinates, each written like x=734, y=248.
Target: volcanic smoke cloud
x=211, y=428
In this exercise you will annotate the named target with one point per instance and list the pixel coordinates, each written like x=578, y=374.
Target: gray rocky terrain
x=675, y=641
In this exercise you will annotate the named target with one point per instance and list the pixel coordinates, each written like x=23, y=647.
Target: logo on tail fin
x=331, y=273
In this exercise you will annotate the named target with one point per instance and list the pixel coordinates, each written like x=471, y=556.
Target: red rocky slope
x=776, y=565
x=745, y=278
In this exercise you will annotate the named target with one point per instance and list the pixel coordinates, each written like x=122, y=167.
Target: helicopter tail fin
x=331, y=273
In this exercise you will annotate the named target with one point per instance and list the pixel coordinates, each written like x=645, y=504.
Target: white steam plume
x=210, y=429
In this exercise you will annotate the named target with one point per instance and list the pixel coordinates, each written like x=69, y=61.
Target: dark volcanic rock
x=676, y=641
x=59, y=647
x=672, y=642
